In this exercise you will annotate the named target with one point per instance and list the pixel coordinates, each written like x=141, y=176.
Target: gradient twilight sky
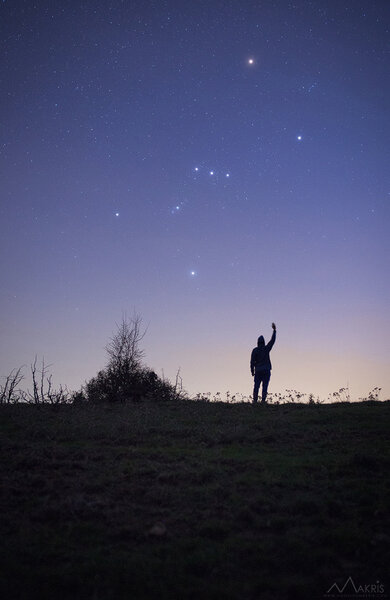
x=214, y=166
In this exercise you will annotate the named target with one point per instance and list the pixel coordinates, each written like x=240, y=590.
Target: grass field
x=193, y=500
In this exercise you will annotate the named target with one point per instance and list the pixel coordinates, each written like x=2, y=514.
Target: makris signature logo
x=349, y=589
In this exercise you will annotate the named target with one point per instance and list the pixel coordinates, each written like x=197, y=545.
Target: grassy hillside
x=192, y=500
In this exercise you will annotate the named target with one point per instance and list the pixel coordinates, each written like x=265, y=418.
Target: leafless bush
x=125, y=377
x=9, y=391
x=123, y=348
x=42, y=387
x=42, y=390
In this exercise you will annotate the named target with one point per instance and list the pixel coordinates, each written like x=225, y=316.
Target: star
x=117, y=214
x=211, y=172
x=251, y=61
x=299, y=138
x=196, y=168
x=227, y=174
x=193, y=273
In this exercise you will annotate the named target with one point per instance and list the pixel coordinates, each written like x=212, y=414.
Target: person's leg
x=256, y=388
x=266, y=377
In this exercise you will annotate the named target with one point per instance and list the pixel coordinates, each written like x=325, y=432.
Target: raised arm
x=273, y=338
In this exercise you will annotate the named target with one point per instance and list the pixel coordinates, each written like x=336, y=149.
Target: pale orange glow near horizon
x=311, y=355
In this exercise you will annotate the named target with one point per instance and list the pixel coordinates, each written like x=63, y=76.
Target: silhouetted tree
x=123, y=349
x=125, y=377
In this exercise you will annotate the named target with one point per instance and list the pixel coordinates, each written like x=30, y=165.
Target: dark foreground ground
x=193, y=500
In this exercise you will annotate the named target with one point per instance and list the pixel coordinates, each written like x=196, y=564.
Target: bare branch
x=123, y=349
x=8, y=391
x=35, y=395
x=43, y=387
x=178, y=382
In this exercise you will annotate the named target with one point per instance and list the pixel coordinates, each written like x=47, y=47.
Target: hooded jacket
x=260, y=360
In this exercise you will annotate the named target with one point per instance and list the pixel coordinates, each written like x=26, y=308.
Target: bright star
x=196, y=168
x=227, y=174
x=251, y=61
x=211, y=172
x=299, y=138
x=117, y=214
x=193, y=273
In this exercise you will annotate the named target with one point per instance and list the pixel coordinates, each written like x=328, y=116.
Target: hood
x=260, y=342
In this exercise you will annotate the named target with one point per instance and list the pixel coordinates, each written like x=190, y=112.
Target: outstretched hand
x=274, y=326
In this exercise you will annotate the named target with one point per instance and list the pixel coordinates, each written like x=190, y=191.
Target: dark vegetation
x=129, y=490
x=192, y=499
x=125, y=378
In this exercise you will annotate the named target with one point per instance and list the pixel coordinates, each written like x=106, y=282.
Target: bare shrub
x=123, y=348
x=125, y=377
x=42, y=389
x=9, y=391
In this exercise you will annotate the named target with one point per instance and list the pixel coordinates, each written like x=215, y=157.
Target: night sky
x=214, y=166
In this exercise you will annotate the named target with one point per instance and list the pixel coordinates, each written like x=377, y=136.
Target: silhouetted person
x=261, y=365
